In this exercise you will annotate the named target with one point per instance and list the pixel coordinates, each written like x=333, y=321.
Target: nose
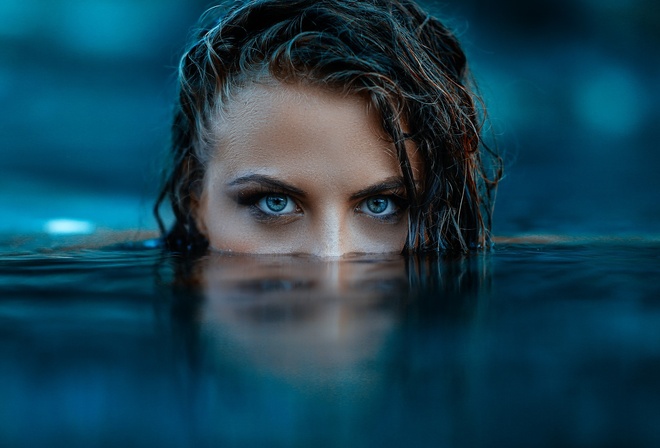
x=331, y=237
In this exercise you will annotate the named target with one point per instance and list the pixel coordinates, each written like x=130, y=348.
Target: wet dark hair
x=406, y=63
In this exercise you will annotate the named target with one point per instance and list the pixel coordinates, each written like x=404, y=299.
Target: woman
x=328, y=127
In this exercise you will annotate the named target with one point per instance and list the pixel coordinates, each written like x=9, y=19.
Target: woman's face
x=297, y=169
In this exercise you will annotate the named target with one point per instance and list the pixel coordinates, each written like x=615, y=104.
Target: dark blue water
x=553, y=342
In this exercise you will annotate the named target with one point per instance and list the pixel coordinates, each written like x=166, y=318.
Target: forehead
x=303, y=134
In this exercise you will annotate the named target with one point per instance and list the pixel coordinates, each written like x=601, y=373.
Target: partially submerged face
x=298, y=169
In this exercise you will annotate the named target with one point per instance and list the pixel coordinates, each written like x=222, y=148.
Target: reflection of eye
x=276, y=204
x=270, y=285
x=379, y=206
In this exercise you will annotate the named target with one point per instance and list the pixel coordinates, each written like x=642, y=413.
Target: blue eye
x=378, y=206
x=276, y=204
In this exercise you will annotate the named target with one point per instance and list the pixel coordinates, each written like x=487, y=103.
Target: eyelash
x=251, y=199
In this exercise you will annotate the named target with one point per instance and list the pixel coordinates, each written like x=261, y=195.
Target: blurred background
x=571, y=87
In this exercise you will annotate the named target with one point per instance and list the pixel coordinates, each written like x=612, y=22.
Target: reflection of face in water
x=298, y=315
x=319, y=323
x=303, y=345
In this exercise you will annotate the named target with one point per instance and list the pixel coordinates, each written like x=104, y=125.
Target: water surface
x=540, y=342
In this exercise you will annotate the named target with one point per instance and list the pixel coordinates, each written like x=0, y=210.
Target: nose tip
x=330, y=246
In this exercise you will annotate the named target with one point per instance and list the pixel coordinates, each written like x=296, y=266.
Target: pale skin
x=298, y=169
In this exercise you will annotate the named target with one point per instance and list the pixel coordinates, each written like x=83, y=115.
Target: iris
x=276, y=203
x=377, y=205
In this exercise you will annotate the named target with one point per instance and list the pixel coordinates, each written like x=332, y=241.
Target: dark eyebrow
x=389, y=184
x=266, y=181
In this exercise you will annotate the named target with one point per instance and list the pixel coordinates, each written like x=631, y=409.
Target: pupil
x=276, y=203
x=377, y=205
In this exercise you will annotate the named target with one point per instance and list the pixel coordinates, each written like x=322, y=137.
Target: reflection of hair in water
x=407, y=64
x=449, y=286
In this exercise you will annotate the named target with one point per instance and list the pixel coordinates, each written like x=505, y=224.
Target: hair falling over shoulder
x=405, y=62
